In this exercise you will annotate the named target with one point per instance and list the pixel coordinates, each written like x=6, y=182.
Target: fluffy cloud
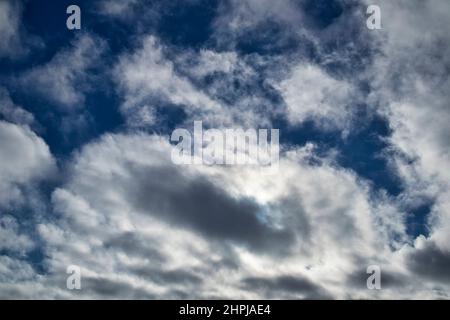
x=11, y=240
x=141, y=227
x=311, y=94
x=220, y=88
x=24, y=158
x=146, y=76
x=410, y=79
x=210, y=62
x=68, y=75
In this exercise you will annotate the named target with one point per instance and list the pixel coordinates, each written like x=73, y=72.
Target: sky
x=87, y=178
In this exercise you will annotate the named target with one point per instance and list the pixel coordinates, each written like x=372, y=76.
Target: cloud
x=203, y=206
x=430, y=261
x=116, y=8
x=238, y=17
x=17, y=42
x=12, y=270
x=146, y=76
x=278, y=287
x=220, y=94
x=210, y=62
x=137, y=223
x=141, y=227
x=311, y=94
x=66, y=78
x=13, y=113
x=410, y=79
x=10, y=29
x=11, y=240
x=25, y=161
x=25, y=158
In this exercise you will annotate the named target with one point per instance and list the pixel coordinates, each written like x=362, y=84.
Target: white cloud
x=139, y=226
x=65, y=78
x=410, y=79
x=13, y=269
x=10, y=239
x=311, y=94
x=210, y=62
x=24, y=158
x=16, y=41
x=239, y=16
x=147, y=75
x=215, y=87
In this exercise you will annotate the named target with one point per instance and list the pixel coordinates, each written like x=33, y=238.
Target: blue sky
x=85, y=157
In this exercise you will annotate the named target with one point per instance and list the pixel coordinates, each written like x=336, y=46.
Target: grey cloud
x=13, y=113
x=205, y=207
x=389, y=279
x=279, y=286
x=11, y=29
x=108, y=289
x=294, y=213
x=430, y=262
x=116, y=8
x=167, y=277
x=134, y=245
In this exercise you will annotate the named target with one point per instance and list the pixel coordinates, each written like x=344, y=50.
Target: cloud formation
x=141, y=227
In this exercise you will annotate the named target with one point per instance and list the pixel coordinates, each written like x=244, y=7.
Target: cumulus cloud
x=141, y=227
x=410, y=80
x=25, y=158
x=144, y=227
x=311, y=94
